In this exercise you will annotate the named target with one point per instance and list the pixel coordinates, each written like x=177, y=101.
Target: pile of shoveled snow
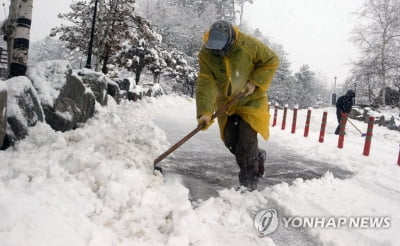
x=95, y=186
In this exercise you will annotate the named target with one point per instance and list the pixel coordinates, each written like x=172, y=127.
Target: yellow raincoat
x=221, y=78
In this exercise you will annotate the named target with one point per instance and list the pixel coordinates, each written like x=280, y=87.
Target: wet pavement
x=206, y=173
x=205, y=166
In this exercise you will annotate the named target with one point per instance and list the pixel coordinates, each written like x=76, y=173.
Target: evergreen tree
x=52, y=49
x=180, y=23
x=305, y=79
x=231, y=10
x=140, y=49
x=181, y=71
x=283, y=87
x=304, y=89
x=117, y=29
x=76, y=36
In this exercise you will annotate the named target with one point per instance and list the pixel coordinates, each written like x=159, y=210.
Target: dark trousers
x=241, y=140
x=339, y=118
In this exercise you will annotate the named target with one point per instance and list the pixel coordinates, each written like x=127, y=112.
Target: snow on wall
x=16, y=85
x=49, y=77
x=111, y=82
x=3, y=86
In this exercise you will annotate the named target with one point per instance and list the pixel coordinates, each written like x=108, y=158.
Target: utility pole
x=17, y=30
x=355, y=93
x=90, y=48
x=334, y=93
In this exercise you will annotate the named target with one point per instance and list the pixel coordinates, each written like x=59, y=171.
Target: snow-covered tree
x=76, y=36
x=241, y=4
x=178, y=68
x=366, y=78
x=283, y=89
x=140, y=48
x=117, y=24
x=181, y=24
x=304, y=88
x=53, y=49
x=377, y=34
x=230, y=10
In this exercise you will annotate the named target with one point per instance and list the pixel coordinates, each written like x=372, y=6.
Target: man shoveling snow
x=232, y=62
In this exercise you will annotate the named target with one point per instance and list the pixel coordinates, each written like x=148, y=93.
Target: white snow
x=15, y=87
x=373, y=191
x=112, y=82
x=65, y=115
x=3, y=86
x=49, y=77
x=3, y=113
x=95, y=185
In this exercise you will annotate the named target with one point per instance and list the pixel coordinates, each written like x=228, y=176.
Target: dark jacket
x=344, y=104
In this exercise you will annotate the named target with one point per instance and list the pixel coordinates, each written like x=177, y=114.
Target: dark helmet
x=351, y=93
x=221, y=37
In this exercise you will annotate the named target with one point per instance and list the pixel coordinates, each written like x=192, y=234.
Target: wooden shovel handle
x=198, y=128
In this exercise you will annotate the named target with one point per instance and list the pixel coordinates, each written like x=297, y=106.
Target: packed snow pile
x=20, y=88
x=3, y=87
x=384, y=115
x=3, y=91
x=49, y=77
x=95, y=186
x=3, y=110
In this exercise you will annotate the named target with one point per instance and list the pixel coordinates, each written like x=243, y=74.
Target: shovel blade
x=158, y=168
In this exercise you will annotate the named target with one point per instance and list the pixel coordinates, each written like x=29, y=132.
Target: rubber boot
x=249, y=173
x=262, y=156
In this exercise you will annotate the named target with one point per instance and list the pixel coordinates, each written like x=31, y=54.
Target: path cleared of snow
x=373, y=191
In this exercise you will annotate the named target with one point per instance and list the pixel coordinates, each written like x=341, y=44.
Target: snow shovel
x=196, y=130
x=362, y=134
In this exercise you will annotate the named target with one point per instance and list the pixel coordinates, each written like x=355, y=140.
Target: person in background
x=232, y=62
x=343, y=106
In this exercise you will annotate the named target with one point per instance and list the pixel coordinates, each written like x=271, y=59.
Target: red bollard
x=284, y=117
x=307, y=127
x=398, y=158
x=342, y=129
x=294, y=120
x=275, y=114
x=368, y=137
x=323, y=126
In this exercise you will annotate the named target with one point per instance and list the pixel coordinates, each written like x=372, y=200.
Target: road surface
x=205, y=166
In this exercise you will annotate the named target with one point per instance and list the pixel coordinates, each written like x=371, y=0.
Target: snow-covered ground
x=95, y=185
